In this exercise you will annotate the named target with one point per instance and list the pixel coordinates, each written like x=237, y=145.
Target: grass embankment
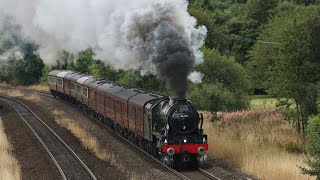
x=36, y=87
x=9, y=166
x=17, y=93
x=87, y=140
x=258, y=142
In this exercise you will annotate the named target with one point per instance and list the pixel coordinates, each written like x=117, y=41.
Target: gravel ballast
x=33, y=159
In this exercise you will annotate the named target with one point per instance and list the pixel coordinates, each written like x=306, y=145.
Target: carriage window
x=79, y=89
x=132, y=112
x=85, y=92
x=60, y=82
x=72, y=86
x=52, y=80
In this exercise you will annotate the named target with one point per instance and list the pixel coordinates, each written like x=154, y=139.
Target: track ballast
x=67, y=162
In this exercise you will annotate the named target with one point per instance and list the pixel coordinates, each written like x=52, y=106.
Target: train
x=169, y=128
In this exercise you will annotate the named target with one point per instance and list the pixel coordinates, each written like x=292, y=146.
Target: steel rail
x=37, y=125
x=209, y=175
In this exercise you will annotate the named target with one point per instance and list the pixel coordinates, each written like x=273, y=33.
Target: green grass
x=261, y=96
x=263, y=102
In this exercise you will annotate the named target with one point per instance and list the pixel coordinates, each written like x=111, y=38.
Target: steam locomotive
x=168, y=128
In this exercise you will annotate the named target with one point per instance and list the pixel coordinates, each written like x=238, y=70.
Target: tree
x=212, y=97
x=313, y=138
x=225, y=85
x=306, y=2
x=257, y=13
x=290, y=60
x=99, y=69
x=83, y=62
x=217, y=36
x=148, y=81
x=29, y=69
x=260, y=10
x=224, y=70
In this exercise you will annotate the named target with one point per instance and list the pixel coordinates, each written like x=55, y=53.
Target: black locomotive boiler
x=168, y=128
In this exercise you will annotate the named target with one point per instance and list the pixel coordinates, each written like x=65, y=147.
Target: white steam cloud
x=196, y=77
x=10, y=40
x=158, y=35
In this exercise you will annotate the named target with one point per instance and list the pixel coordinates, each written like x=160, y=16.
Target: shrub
x=313, y=137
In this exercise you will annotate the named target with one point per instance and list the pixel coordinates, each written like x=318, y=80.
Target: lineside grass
x=12, y=93
x=37, y=87
x=257, y=142
x=88, y=141
x=17, y=93
x=9, y=166
x=32, y=97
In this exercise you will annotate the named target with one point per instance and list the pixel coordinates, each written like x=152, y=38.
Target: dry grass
x=58, y=113
x=9, y=166
x=37, y=87
x=32, y=97
x=17, y=93
x=3, y=84
x=88, y=141
x=258, y=142
x=12, y=93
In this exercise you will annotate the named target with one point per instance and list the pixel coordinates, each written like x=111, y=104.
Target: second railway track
x=67, y=162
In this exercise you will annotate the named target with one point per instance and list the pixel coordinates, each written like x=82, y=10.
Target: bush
x=313, y=137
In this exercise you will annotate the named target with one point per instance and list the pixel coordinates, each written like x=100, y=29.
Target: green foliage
x=83, y=62
x=27, y=70
x=313, y=137
x=98, y=69
x=260, y=10
x=44, y=79
x=214, y=22
x=225, y=85
x=306, y=2
x=213, y=97
x=224, y=70
x=7, y=70
x=286, y=60
x=148, y=82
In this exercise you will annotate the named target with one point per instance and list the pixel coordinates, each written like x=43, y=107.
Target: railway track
x=209, y=175
x=69, y=165
x=197, y=174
